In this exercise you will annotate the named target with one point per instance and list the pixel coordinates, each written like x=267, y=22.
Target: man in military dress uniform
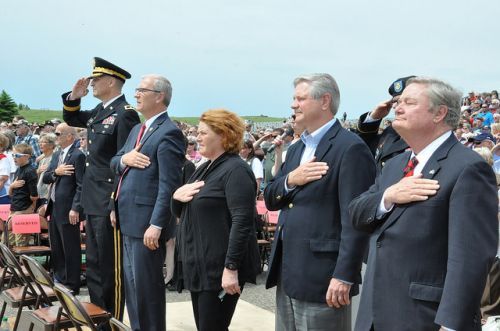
x=387, y=144
x=108, y=126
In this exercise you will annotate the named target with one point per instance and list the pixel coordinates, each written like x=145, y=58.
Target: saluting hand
x=80, y=89
x=136, y=159
x=307, y=172
x=186, y=192
x=382, y=110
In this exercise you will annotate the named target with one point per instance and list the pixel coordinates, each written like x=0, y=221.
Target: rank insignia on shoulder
x=109, y=120
x=129, y=107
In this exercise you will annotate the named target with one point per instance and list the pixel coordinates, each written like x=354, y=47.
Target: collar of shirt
x=150, y=121
x=313, y=139
x=65, y=152
x=427, y=152
x=104, y=105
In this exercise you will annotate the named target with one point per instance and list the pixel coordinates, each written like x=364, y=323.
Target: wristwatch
x=231, y=266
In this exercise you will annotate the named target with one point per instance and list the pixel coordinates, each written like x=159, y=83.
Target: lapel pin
x=111, y=108
x=150, y=129
x=432, y=172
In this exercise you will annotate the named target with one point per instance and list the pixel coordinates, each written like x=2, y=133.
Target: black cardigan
x=217, y=227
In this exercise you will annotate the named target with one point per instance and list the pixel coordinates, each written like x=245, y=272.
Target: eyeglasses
x=141, y=90
x=19, y=155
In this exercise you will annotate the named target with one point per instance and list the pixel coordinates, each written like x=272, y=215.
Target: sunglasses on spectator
x=19, y=155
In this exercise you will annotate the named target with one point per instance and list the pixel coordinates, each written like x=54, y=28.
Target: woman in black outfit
x=216, y=236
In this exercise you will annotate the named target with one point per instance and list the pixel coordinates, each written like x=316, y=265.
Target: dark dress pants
x=65, y=252
x=210, y=312
x=144, y=284
x=104, y=276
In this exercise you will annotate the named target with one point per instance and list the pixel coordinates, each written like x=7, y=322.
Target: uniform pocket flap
x=318, y=245
x=150, y=201
x=425, y=292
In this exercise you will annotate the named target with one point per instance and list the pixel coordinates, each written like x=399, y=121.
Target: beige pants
x=18, y=239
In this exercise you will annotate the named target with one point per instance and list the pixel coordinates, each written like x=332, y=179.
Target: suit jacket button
x=278, y=197
x=90, y=141
x=290, y=205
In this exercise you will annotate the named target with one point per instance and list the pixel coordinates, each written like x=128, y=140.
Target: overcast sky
x=244, y=55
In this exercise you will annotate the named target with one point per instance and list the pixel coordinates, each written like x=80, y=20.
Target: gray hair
x=442, y=94
x=320, y=84
x=49, y=138
x=161, y=84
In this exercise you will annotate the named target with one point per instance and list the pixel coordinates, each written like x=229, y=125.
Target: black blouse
x=217, y=227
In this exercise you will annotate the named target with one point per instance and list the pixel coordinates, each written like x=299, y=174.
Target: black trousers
x=212, y=313
x=104, y=260
x=66, y=252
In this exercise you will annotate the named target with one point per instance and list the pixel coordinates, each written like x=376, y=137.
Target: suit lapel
x=153, y=127
x=429, y=171
x=325, y=143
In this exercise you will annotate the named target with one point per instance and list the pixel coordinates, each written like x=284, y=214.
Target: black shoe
x=171, y=287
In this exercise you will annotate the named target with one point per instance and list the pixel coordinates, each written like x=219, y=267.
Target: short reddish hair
x=228, y=125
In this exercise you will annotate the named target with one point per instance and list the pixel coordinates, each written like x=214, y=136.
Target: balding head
x=66, y=135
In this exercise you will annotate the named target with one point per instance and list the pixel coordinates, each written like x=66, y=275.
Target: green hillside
x=41, y=116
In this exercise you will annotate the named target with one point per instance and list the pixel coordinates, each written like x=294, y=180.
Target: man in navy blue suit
x=65, y=173
x=432, y=213
x=316, y=257
x=150, y=169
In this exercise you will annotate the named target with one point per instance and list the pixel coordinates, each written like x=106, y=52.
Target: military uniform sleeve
x=72, y=114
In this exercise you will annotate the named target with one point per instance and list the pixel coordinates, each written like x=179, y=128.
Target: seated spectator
x=22, y=191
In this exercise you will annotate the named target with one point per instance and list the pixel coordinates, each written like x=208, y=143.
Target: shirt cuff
x=369, y=119
x=345, y=282
x=156, y=226
x=288, y=189
x=381, y=211
x=447, y=329
x=122, y=165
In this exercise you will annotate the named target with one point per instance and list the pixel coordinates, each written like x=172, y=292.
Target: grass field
x=41, y=116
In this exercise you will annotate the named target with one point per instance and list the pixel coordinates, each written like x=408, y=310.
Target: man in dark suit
x=65, y=173
x=387, y=144
x=108, y=126
x=150, y=169
x=316, y=257
x=433, y=217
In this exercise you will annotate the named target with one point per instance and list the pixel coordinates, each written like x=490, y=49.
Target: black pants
x=212, y=314
x=104, y=276
x=66, y=252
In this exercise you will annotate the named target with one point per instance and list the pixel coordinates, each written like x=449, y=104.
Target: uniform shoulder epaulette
x=129, y=107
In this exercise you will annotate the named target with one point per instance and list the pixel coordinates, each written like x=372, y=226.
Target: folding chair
x=81, y=314
x=117, y=325
x=24, y=295
x=43, y=318
x=28, y=224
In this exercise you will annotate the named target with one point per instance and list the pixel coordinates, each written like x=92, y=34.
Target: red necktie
x=137, y=143
x=139, y=136
x=412, y=163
